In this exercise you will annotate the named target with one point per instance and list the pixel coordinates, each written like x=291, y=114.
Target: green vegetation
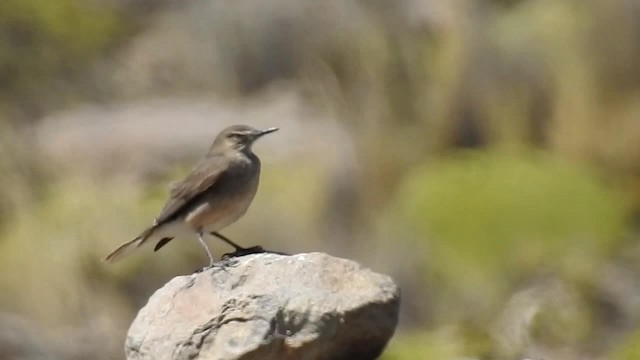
x=489, y=222
x=428, y=346
x=630, y=348
x=47, y=47
x=491, y=216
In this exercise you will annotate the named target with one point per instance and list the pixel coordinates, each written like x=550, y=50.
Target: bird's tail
x=128, y=247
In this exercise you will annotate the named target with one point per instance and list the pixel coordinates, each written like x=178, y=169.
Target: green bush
x=424, y=345
x=488, y=217
x=46, y=43
x=630, y=348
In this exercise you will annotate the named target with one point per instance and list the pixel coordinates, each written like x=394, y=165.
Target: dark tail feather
x=162, y=243
x=128, y=247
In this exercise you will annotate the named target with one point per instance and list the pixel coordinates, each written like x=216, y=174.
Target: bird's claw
x=223, y=264
x=202, y=269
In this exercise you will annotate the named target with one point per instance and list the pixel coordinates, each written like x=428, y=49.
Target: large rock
x=269, y=306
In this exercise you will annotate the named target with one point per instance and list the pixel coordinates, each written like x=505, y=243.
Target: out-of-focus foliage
x=630, y=348
x=444, y=345
x=45, y=47
x=491, y=222
x=491, y=217
x=494, y=172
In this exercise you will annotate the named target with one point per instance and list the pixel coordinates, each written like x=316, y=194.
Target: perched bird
x=216, y=193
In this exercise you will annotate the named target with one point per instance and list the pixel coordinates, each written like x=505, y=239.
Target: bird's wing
x=203, y=176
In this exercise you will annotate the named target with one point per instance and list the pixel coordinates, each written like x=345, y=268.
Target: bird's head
x=240, y=137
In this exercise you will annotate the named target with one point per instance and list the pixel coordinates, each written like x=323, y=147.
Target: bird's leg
x=206, y=248
x=226, y=239
x=244, y=251
x=239, y=250
x=212, y=264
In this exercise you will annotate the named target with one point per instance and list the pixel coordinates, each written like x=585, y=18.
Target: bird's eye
x=236, y=136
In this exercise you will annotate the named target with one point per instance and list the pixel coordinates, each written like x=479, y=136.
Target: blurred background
x=486, y=154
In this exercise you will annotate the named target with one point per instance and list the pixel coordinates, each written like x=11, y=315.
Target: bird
x=216, y=193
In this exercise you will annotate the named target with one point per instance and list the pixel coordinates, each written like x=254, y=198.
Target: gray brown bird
x=216, y=193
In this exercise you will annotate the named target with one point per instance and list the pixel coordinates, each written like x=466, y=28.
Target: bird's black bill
x=266, y=131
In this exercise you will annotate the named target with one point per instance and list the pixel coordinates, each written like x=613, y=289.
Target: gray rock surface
x=269, y=306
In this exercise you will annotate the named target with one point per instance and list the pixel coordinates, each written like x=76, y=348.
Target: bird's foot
x=219, y=265
x=202, y=269
x=224, y=264
x=242, y=252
